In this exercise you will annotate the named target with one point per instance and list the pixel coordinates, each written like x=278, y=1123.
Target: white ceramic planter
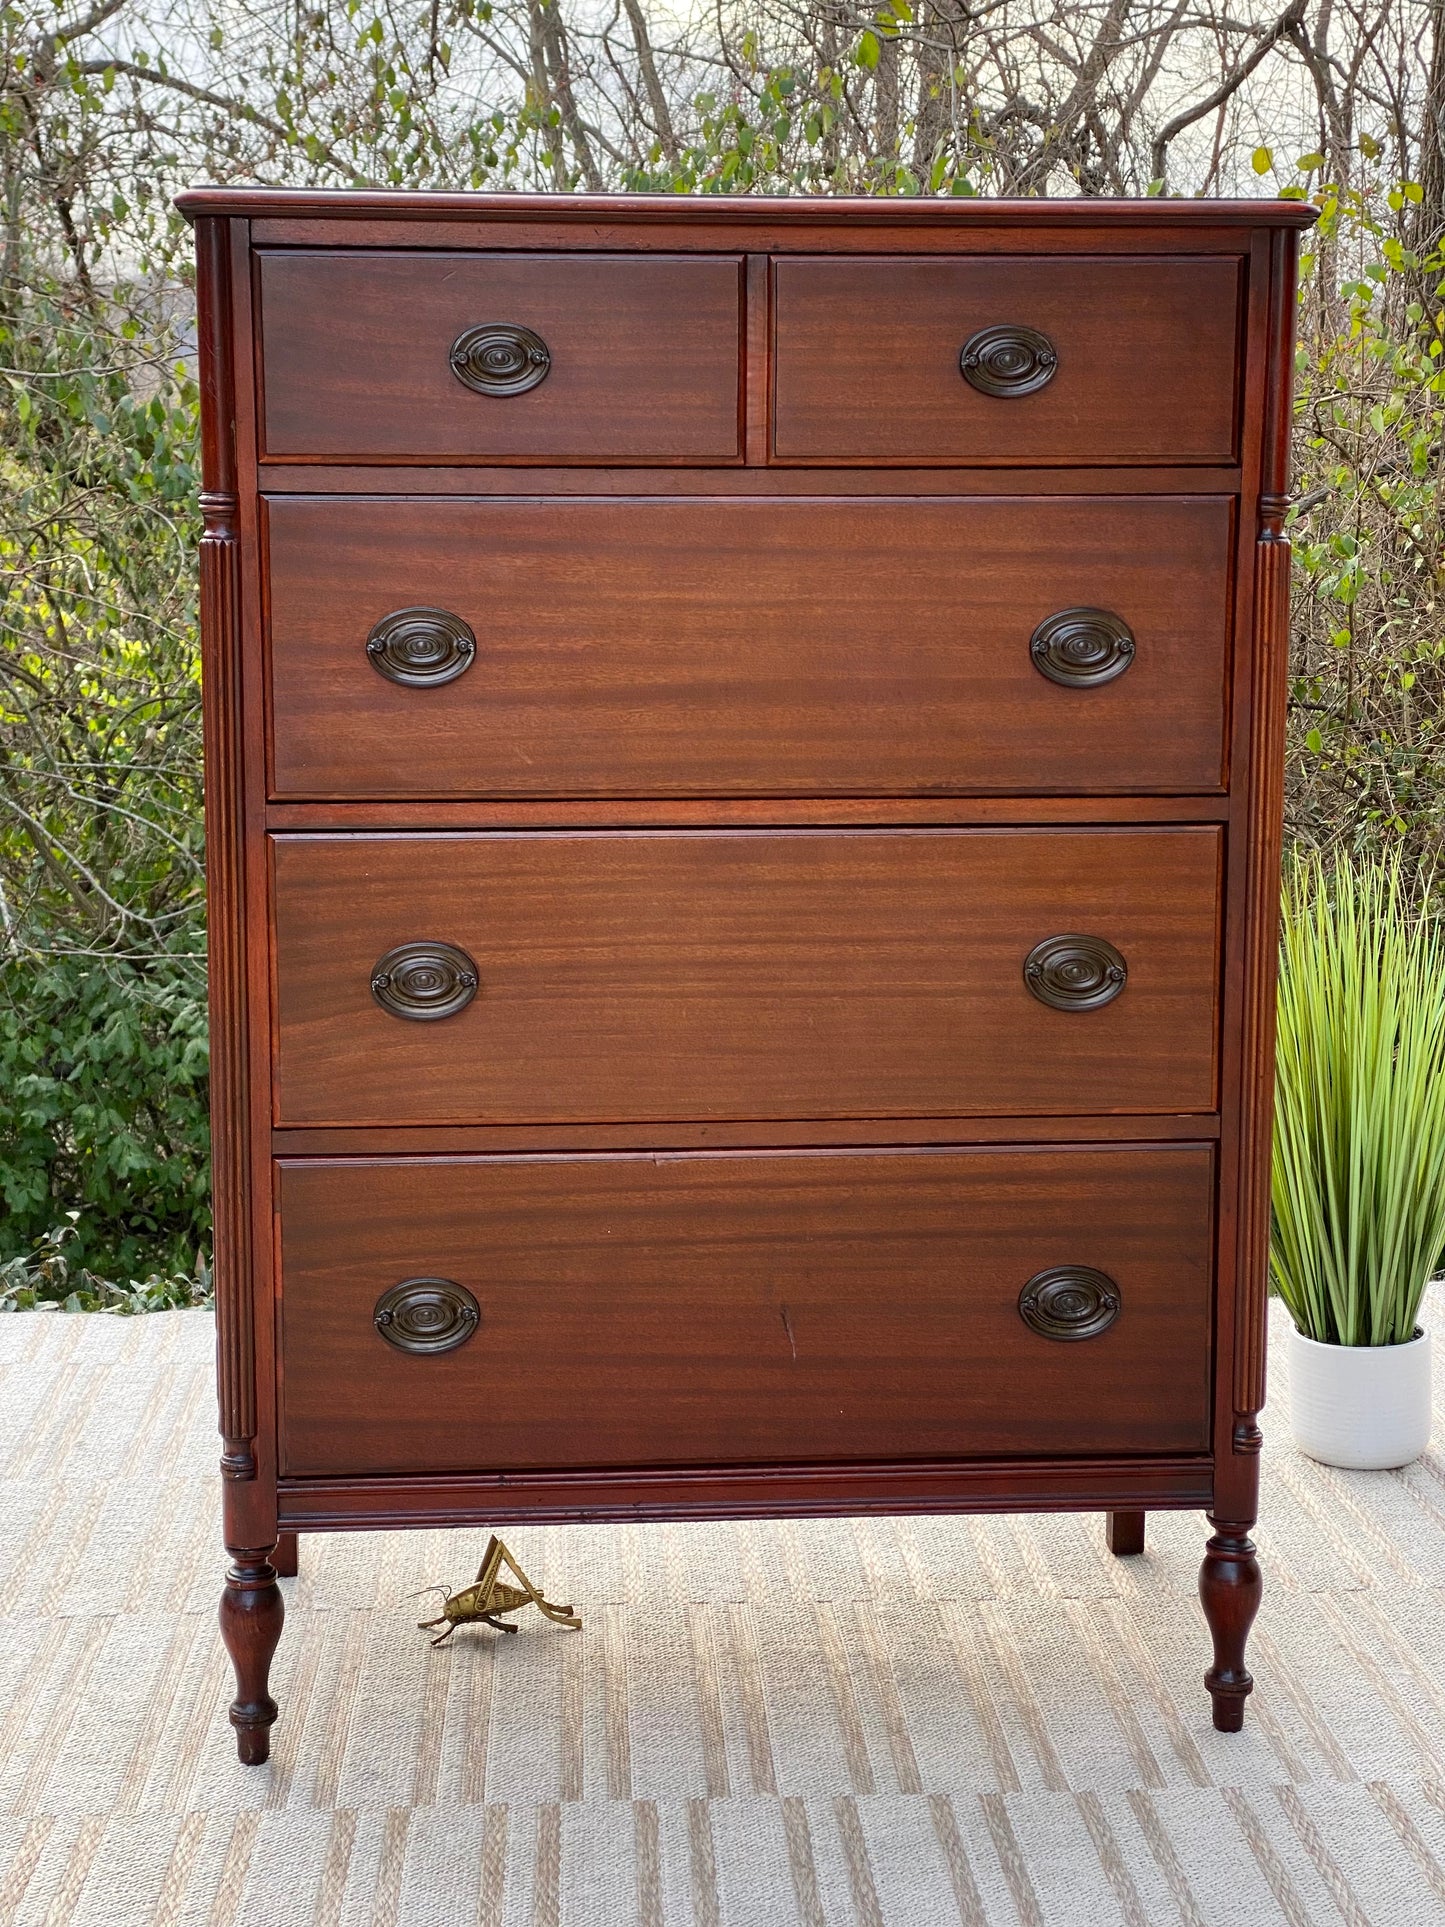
x=1362, y=1406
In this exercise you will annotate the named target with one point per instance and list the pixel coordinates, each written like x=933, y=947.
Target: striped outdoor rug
x=904, y=1723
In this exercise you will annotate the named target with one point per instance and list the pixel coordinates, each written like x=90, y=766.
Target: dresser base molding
x=1185, y=1482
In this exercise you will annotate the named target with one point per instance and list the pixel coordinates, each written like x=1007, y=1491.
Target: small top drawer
x=499, y=357
x=992, y=361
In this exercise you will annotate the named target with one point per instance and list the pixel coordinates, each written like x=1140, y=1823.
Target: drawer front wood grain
x=868, y=360
x=719, y=1308
x=642, y=357
x=740, y=974
x=641, y=648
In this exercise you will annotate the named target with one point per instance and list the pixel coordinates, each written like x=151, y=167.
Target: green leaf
x=868, y=50
x=1262, y=160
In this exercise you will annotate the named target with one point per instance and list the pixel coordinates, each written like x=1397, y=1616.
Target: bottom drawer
x=755, y=1307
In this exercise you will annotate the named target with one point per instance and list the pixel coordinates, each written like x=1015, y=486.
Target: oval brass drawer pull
x=421, y=647
x=1075, y=972
x=426, y=1315
x=1069, y=1301
x=1008, y=360
x=1081, y=648
x=423, y=981
x=500, y=358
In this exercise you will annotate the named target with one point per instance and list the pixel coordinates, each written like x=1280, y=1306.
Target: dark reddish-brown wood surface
x=644, y=357
x=347, y=209
x=748, y=844
x=781, y=1489
x=733, y=647
x=744, y=974
x=867, y=360
x=732, y=1308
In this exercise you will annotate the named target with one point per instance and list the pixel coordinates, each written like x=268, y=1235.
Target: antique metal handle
x=500, y=358
x=1081, y=648
x=421, y=647
x=426, y=1315
x=1075, y=972
x=1008, y=360
x=1069, y=1301
x=423, y=981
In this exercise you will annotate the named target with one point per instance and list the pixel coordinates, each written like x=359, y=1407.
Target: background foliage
x=106, y=109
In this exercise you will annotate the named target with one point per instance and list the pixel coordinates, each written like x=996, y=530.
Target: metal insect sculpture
x=488, y=1595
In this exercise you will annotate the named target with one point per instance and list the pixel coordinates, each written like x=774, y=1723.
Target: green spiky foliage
x=1359, y=1148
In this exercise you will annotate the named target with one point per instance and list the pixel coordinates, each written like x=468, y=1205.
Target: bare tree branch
x=1287, y=22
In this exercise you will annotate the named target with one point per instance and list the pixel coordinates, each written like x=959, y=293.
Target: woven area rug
x=897, y=1723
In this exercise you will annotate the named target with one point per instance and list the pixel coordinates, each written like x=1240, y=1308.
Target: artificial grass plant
x=1358, y=1192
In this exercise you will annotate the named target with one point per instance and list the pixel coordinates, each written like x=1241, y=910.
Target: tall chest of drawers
x=744, y=757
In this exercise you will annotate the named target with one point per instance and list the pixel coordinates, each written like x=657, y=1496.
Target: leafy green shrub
x=102, y=941
x=1367, y=711
x=1359, y=1150
x=49, y=1274
x=103, y=1107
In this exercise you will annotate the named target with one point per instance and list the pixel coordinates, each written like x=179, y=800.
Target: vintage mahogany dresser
x=744, y=813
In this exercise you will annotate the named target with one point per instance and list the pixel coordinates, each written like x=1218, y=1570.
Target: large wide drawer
x=1023, y=360
x=434, y=647
x=497, y=357
x=633, y=1310
x=744, y=974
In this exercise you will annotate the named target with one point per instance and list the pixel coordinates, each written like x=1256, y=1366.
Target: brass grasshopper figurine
x=488, y=1595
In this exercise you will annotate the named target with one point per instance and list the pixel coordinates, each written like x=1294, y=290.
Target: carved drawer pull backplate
x=1081, y=648
x=1069, y=1301
x=421, y=647
x=424, y=981
x=500, y=358
x=1008, y=361
x=426, y=1315
x=1075, y=972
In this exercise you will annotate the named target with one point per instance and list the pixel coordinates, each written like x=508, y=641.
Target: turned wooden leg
x=285, y=1557
x=1229, y=1587
x=1125, y=1531
x=251, y=1616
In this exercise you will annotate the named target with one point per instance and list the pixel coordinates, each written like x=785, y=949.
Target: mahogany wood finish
x=867, y=361
x=769, y=479
x=225, y=843
x=1229, y=1590
x=774, y=1134
x=744, y=1308
x=643, y=357
x=744, y=974
x=785, y=617
x=815, y=1489
x=747, y=812
x=717, y=648
x=1126, y=1533
x=252, y=1614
